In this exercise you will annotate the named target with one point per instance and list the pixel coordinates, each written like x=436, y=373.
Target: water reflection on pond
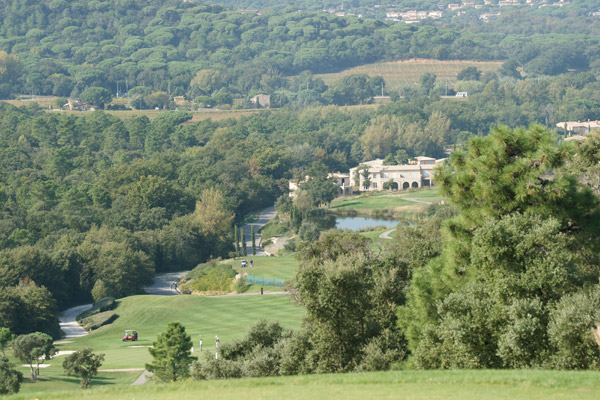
x=356, y=223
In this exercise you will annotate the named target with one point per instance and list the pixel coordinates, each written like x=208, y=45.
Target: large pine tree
x=172, y=354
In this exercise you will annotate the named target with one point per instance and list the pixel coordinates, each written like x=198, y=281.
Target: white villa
x=416, y=174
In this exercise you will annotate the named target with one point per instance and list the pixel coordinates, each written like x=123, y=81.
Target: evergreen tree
x=10, y=378
x=244, y=251
x=253, y=240
x=171, y=352
x=237, y=240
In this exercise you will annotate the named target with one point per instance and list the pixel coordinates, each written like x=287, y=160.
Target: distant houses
x=417, y=173
x=579, y=127
x=374, y=175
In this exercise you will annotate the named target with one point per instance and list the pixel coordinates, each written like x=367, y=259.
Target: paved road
x=386, y=234
x=163, y=284
x=265, y=216
x=143, y=378
x=68, y=322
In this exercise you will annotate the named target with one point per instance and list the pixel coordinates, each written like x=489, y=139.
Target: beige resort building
x=416, y=174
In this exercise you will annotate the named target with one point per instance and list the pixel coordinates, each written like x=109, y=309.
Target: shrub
x=97, y=320
x=105, y=304
x=570, y=333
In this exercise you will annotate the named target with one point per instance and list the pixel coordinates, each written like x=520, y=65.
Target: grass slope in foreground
x=227, y=317
x=463, y=385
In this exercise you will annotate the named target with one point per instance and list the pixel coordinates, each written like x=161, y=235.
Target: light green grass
x=53, y=379
x=415, y=385
x=372, y=202
x=227, y=317
x=270, y=267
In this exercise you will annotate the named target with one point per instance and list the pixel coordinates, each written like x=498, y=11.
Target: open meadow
x=408, y=72
x=413, y=385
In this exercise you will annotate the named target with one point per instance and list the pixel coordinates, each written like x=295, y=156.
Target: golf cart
x=130, y=335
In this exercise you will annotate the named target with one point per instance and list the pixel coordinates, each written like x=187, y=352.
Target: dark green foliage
x=569, y=331
x=102, y=305
x=171, y=353
x=32, y=349
x=28, y=308
x=98, y=320
x=499, y=295
x=96, y=96
x=236, y=235
x=469, y=74
x=244, y=251
x=10, y=378
x=350, y=299
x=83, y=363
x=6, y=337
x=209, y=277
x=253, y=235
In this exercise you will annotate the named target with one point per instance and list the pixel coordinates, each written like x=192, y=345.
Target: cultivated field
x=414, y=385
x=406, y=73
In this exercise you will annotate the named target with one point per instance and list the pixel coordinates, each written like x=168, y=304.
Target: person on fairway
x=217, y=342
x=200, y=344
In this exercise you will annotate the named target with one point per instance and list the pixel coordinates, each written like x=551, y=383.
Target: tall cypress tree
x=243, y=242
x=253, y=240
x=237, y=241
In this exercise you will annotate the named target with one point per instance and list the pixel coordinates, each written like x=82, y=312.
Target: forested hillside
x=61, y=48
x=93, y=206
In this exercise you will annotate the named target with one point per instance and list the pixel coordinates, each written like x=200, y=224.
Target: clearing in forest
x=408, y=72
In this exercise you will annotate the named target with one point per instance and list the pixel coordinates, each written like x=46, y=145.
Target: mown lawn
x=379, y=201
x=227, y=317
x=414, y=385
x=271, y=267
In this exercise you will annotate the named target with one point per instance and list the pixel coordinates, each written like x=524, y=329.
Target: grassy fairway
x=377, y=202
x=416, y=385
x=227, y=317
x=270, y=267
x=408, y=73
x=53, y=379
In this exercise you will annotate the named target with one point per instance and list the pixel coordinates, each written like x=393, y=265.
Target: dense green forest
x=94, y=205
x=61, y=48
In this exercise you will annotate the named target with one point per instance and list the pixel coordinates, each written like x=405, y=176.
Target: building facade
x=417, y=174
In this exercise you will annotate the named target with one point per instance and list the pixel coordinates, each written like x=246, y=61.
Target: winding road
x=68, y=322
x=265, y=216
x=163, y=284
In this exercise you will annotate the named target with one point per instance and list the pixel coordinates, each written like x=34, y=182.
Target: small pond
x=356, y=223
